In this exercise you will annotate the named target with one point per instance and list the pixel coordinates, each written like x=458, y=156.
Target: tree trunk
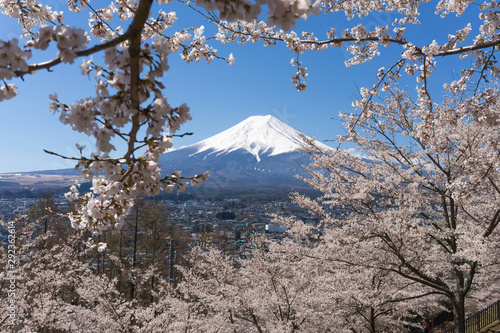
x=136, y=234
x=98, y=257
x=120, y=255
x=372, y=321
x=152, y=289
x=459, y=313
x=134, y=257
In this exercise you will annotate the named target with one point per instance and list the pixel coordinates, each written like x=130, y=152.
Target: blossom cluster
x=12, y=59
x=285, y=13
x=301, y=74
x=69, y=41
x=30, y=14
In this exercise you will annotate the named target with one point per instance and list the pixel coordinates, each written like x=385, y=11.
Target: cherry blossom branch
x=403, y=42
x=418, y=276
x=341, y=40
x=440, y=242
x=51, y=63
x=467, y=49
x=494, y=222
x=366, y=103
x=470, y=277
x=424, y=73
x=492, y=182
x=134, y=30
x=484, y=68
x=87, y=3
x=402, y=299
x=80, y=159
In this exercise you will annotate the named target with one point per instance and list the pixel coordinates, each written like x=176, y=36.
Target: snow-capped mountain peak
x=258, y=154
x=257, y=135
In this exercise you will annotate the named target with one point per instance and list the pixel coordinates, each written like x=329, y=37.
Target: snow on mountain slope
x=258, y=135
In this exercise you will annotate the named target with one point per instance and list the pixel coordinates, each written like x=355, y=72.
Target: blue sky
x=219, y=96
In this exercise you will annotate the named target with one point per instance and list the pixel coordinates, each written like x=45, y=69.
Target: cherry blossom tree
x=422, y=196
x=284, y=287
x=255, y=295
x=365, y=298
x=58, y=287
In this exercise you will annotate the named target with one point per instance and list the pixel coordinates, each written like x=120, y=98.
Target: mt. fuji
x=261, y=152
x=258, y=135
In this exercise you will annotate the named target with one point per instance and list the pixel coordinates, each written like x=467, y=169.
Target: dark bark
x=372, y=321
x=459, y=313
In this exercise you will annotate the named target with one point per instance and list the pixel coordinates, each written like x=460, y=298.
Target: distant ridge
x=258, y=155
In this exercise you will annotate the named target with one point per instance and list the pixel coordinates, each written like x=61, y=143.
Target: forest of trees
x=421, y=195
